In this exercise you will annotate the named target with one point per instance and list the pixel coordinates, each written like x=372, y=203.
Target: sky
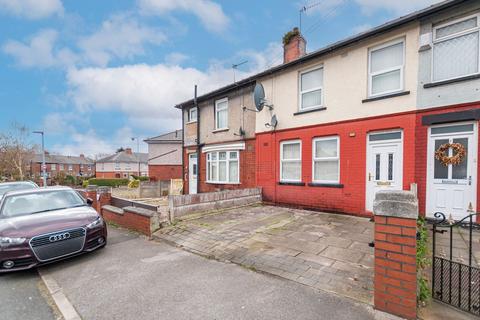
x=93, y=74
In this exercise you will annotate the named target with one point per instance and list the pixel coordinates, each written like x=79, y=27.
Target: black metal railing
x=453, y=281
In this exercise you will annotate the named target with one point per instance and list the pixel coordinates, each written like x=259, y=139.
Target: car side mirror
x=89, y=202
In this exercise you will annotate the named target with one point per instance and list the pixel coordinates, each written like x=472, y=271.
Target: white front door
x=192, y=173
x=452, y=189
x=384, y=164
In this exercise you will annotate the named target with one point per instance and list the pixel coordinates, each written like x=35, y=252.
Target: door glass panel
x=385, y=136
x=440, y=171
x=390, y=166
x=377, y=167
x=460, y=170
x=194, y=170
x=452, y=129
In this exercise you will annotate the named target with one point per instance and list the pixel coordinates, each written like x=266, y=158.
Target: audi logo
x=59, y=237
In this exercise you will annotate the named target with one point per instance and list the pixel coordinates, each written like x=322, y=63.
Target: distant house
x=165, y=156
x=122, y=165
x=77, y=166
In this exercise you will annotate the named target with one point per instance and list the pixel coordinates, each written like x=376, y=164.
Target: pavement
x=320, y=250
x=23, y=296
x=136, y=278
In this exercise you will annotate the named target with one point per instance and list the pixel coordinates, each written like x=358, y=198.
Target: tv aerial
x=235, y=67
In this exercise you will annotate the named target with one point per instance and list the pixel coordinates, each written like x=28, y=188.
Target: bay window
x=221, y=114
x=456, y=49
x=311, y=89
x=386, y=68
x=326, y=160
x=223, y=167
x=291, y=161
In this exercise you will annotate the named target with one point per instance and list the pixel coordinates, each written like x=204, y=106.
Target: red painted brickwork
x=128, y=220
x=164, y=172
x=247, y=171
x=395, y=266
x=350, y=198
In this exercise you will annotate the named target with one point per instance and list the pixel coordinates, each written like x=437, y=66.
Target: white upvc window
x=223, y=167
x=456, y=49
x=386, y=64
x=311, y=88
x=326, y=160
x=192, y=114
x=61, y=167
x=291, y=161
x=221, y=114
x=53, y=166
x=89, y=168
x=70, y=167
x=117, y=166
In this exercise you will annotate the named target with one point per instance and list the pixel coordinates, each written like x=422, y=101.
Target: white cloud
x=32, y=9
x=39, y=51
x=397, y=7
x=87, y=143
x=122, y=37
x=210, y=13
x=176, y=58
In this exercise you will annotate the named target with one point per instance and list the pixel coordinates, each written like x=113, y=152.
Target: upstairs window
x=117, y=166
x=53, y=166
x=221, y=114
x=386, y=67
x=311, y=89
x=326, y=160
x=70, y=167
x=291, y=161
x=192, y=115
x=456, y=49
x=61, y=167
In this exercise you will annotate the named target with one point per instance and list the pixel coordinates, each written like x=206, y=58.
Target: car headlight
x=95, y=224
x=7, y=242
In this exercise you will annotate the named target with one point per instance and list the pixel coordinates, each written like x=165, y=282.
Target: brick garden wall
x=128, y=218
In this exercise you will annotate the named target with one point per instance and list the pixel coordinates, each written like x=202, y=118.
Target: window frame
x=314, y=159
x=300, y=92
x=53, y=167
x=190, y=120
x=227, y=161
x=61, y=167
x=217, y=102
x=286, y=142
x=373, y=74
x=450, y=37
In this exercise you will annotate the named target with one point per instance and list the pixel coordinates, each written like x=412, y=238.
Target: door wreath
x=458, y=156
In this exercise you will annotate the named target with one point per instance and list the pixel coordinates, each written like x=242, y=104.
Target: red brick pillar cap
x=396, y=203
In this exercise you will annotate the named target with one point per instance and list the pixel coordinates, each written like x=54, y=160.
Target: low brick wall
x=192, y=203
x=138, y=219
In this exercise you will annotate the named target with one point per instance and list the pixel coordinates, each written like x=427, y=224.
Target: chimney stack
x=128, y=150
x=82, y=156
x=294, y=45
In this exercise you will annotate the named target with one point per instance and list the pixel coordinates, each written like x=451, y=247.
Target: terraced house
x=393, y=106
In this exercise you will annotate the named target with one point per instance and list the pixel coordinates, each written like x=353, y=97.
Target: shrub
x=423, y=263
x=141, y=178
x=114, y=183
x=290, y=35
x=134, y=183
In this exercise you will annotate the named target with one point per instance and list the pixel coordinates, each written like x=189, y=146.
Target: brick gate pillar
x=91, y=193
x=396, y=214
x=104, y=198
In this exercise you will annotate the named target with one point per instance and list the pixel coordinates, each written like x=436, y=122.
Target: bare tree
x=16, y=152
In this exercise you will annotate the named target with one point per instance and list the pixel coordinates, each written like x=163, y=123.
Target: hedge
x=141, y=178
x=106, y=182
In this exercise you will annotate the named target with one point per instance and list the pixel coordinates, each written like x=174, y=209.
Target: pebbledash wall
x=350, y=195
x=247, y=170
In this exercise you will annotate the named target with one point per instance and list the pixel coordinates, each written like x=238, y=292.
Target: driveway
x=324, y=251
x=133, y=278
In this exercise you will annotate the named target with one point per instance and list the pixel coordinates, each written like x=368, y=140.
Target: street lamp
x=138, y=153
x=44, y=166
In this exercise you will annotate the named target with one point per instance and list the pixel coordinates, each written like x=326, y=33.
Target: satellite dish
x=259, y=96
x=274, y=121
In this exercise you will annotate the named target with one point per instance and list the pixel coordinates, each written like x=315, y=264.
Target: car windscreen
x=30, y=203
x=15, y=186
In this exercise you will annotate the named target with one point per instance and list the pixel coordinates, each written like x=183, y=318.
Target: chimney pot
x=128, y=150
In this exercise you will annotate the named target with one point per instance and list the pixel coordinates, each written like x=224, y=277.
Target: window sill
x=190, y=122
x=285, y=183
x=445, y=82
x=220, y=130
x=309, y=110
x=233, y=183
x=386, y=96
x=325, y=185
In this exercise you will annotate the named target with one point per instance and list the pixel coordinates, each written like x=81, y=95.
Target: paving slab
x=320, y=250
